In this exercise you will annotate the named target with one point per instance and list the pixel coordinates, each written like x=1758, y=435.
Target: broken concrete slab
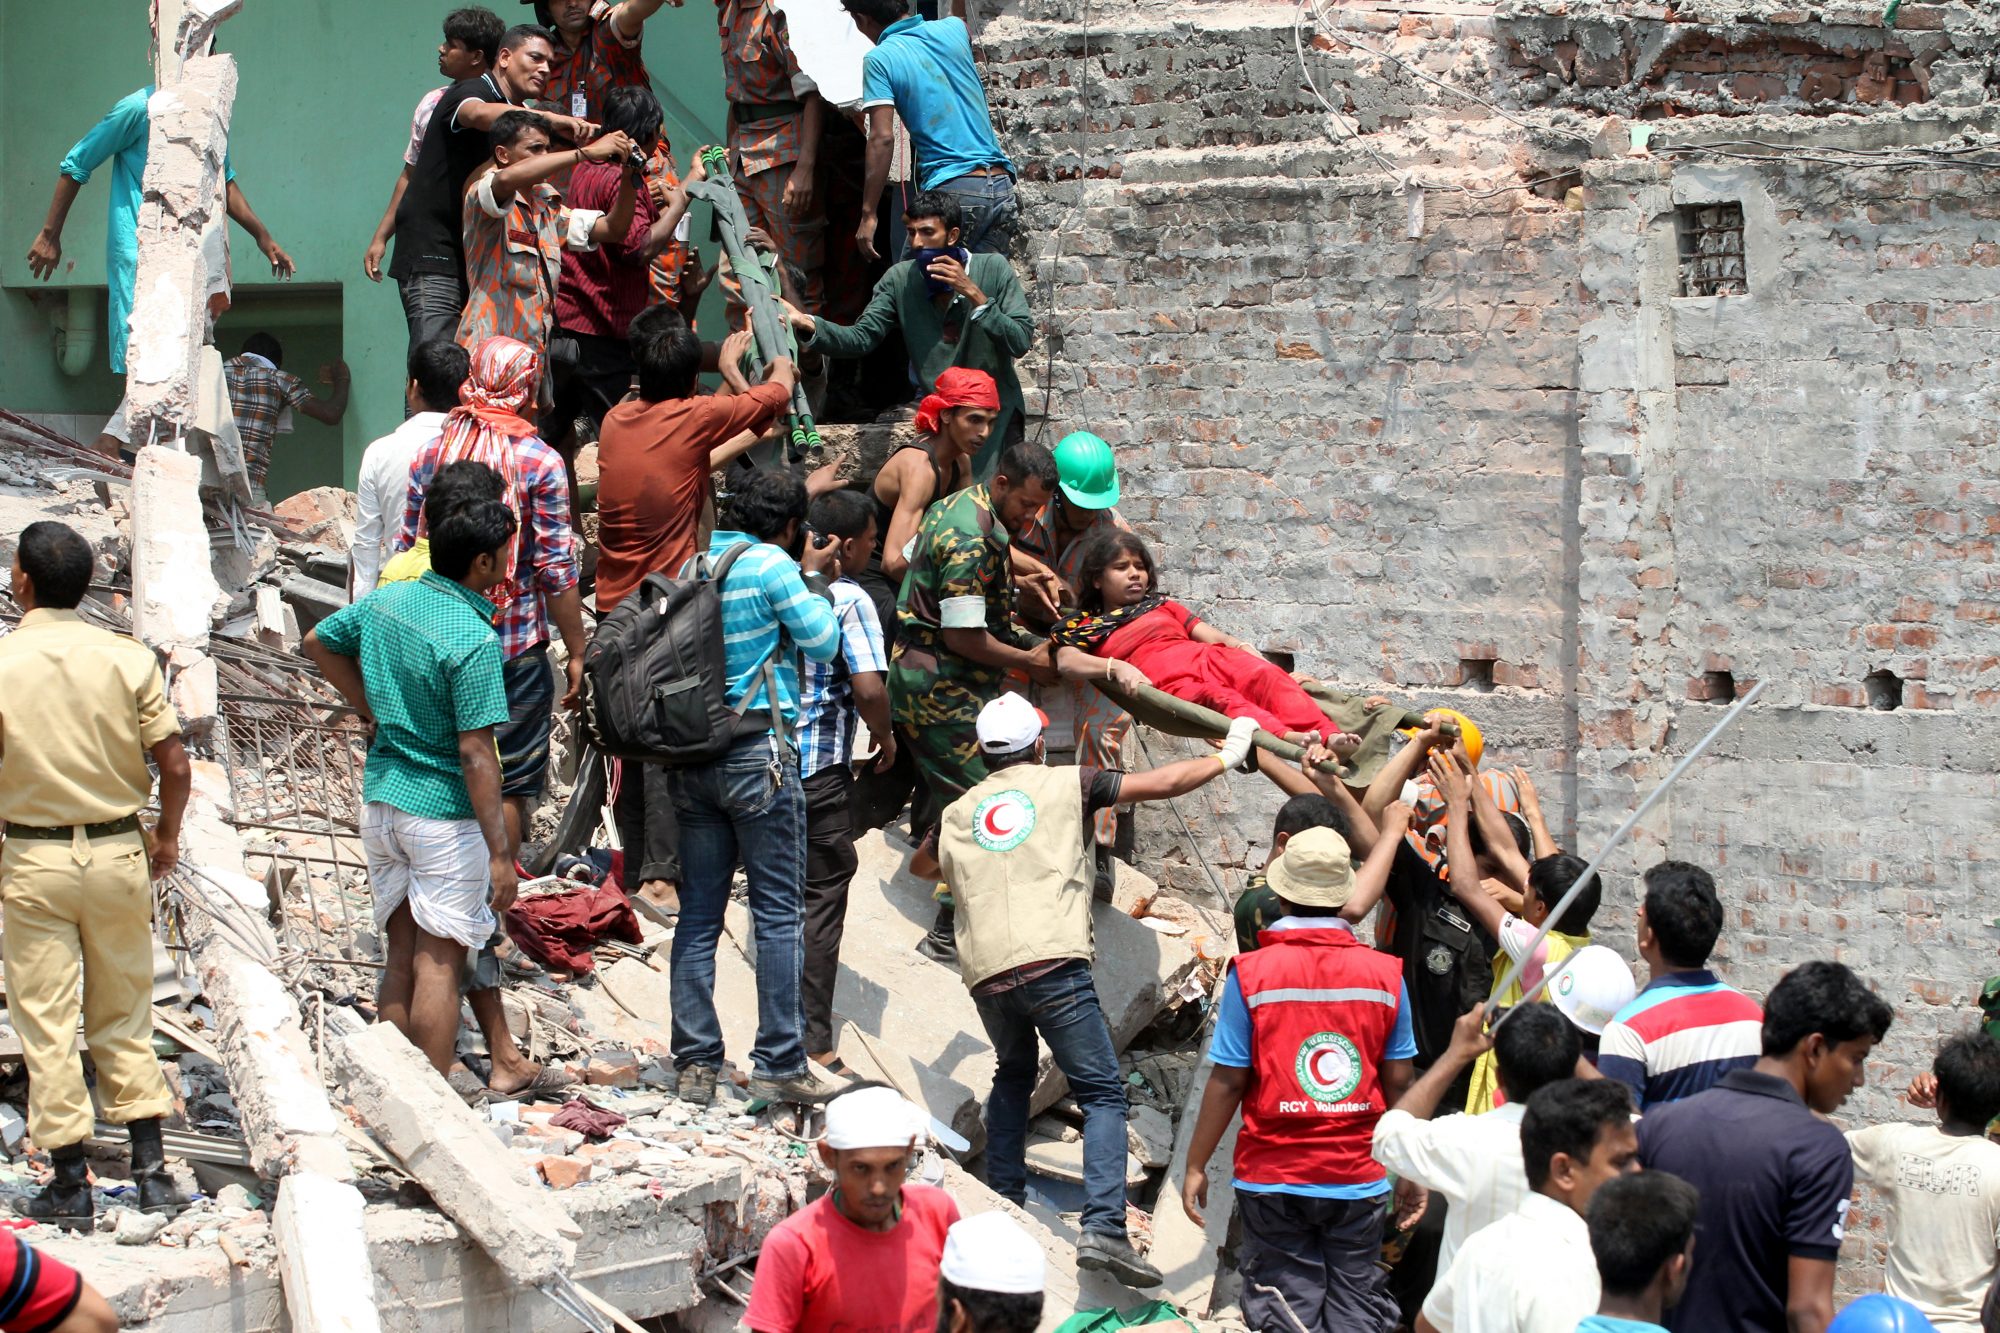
x=173, y=588
x=922, y=1010
x=324, y=516
x=448, y=1150
x=322, y=1235
x=1063, y=1160
x=312, y=600
x=1150, y=1133
x=187, y=139
x=1189, y=1256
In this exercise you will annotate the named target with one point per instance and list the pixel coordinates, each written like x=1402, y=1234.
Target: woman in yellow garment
x=1549, y=878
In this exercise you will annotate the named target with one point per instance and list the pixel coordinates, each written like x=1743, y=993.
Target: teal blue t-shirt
x=1604, y=1323
x=924, y=69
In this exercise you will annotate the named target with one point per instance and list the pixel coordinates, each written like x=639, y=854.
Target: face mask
x=927, y=254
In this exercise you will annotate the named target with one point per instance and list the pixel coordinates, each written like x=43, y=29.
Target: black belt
x=110, y=828
x=748, y=112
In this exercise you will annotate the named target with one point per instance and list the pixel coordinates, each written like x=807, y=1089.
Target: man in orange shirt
x=655, y=454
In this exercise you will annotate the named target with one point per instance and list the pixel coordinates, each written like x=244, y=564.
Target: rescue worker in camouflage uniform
x=958, y=641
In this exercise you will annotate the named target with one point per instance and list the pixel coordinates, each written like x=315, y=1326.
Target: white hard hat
x=1591, y=986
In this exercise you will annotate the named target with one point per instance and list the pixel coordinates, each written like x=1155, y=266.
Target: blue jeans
x=1061, y=1008
x=988, y=208
x=747, y=804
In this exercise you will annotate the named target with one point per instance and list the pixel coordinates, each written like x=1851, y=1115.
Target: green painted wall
x=325, y=89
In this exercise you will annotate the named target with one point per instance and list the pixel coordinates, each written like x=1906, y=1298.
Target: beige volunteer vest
x=1020, y=868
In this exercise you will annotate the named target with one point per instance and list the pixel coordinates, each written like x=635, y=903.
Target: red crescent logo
x=1002, y=819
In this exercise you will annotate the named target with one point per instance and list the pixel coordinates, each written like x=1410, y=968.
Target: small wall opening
x=1278, y=657
x=1475, y=673
x=1885, y=690
x=1719, y=687
x=1711, y=249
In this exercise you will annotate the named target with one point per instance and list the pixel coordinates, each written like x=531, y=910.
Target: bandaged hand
x=1236, y=746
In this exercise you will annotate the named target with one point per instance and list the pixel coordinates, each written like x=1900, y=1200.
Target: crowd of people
x=1476, y=1122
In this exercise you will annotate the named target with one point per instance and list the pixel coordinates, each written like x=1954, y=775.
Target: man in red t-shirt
x=655, y=453
x=41, y=1294
x=864, y=1255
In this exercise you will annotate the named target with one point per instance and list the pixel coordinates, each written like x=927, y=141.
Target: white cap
x=1010, y=723
x=1591, y=986
x=991, y=1252
x=872, y=1118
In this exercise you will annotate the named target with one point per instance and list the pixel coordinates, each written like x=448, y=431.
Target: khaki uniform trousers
x=81, y=910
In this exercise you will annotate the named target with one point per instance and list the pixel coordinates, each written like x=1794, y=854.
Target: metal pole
x=1590, y=871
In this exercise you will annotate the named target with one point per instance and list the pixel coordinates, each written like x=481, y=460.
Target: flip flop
x=549, y=1080
x=641, y=903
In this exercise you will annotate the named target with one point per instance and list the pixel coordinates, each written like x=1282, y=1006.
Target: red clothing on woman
x=1214, y=675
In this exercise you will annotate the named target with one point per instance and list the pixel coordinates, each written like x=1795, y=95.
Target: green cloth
x=961, y=550
x=431, y=663
x=1110, y=1321
x=1256, y=907
x=1377, y=727
x=991, y=342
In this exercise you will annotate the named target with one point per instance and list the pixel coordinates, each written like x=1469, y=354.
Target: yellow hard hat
x=1468, y=731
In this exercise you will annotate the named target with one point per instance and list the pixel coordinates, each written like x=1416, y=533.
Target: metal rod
x=1513, y=973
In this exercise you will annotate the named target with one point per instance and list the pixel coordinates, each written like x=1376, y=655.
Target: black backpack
x=655, y=675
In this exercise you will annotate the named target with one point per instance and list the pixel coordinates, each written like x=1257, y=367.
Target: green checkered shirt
x=431, y=662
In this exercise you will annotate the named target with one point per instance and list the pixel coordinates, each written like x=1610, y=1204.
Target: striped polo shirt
x=764, y=600
x=1681, y=1034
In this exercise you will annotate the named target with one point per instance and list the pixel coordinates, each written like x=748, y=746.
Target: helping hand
x=1396, y=820
x=1128, y=677
x=1469, y=1037
x=1451, y=780
x=613, y=147
x=1237, y=745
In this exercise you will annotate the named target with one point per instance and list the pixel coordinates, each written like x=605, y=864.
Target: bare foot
x=662, y=894
x=1345, y=744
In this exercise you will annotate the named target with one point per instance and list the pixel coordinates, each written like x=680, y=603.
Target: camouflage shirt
x=961, y=551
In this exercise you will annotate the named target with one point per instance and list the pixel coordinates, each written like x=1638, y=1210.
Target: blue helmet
x=1880, y=1313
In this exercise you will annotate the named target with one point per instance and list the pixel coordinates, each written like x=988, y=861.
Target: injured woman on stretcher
x=1124, y=617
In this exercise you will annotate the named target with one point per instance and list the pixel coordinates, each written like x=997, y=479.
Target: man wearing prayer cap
x=865, y=1254
x=1017, y=856
x=991, y=1278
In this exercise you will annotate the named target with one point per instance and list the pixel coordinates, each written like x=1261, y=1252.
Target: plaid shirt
x=826, y=709
x=259, y=395
x=513, y=261
x=432, y=668
x=546, y=562
x=758, y=68
x=604, y=61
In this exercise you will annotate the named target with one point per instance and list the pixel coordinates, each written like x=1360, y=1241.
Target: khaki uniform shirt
x=79, y=709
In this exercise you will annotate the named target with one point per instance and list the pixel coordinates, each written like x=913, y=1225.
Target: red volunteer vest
x=1322, y=1009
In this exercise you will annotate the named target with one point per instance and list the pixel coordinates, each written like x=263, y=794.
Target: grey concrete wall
x=1509, y=438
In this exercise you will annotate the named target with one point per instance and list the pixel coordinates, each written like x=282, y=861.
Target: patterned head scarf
x=502, y=384
x=957, y=387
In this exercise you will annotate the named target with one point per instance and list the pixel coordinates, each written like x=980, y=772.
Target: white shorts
x=437, y=865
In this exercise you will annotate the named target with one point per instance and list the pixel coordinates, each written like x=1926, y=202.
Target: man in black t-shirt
x=429, y=267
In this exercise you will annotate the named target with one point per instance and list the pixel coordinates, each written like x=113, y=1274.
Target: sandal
x=550, y=1080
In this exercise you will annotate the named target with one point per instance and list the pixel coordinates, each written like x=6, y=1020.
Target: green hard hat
x=1087, y=471
x=1989, y=997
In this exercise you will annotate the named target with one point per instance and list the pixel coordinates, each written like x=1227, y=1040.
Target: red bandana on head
x=502, y=383
x=957, y=387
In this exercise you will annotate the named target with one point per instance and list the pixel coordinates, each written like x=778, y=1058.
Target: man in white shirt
x=1942, y=1185
x=437, y=369
x=1533, y=1270
x=1474, y=1161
